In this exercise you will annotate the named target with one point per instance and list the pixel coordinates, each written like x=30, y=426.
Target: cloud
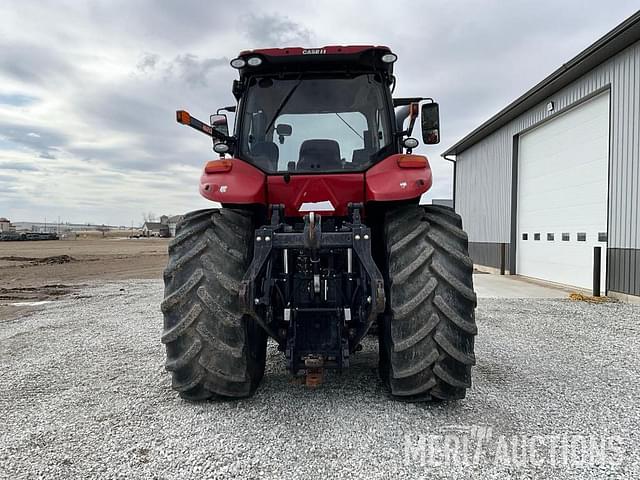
x=18, y=166
x=196, y=71
x=272, y=30
x=148, y=61
x=45, y=141
x=89, y=92
x=32, y=64
x=187, y=67
x=16, y=99
x=7, y=178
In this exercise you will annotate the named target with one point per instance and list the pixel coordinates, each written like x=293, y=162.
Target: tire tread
x=427, y=334
x=212, y=349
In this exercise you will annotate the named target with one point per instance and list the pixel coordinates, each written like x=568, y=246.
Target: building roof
x=3, y=220
x=152, y=225
x=625, y=34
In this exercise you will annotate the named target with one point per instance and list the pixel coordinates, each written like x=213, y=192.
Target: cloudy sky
x=88, y=90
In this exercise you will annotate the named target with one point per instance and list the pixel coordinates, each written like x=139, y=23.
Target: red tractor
x=320, y=238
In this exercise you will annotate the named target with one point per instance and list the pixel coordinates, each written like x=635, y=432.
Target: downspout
x=453, y=160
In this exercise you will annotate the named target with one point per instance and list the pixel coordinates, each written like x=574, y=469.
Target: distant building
x=49, y=227
x=5, y=225
x=155, y=229
x=166, y=227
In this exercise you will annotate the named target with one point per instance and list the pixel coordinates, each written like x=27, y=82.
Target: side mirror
x=283, y=130
x=430, y=123
x=219, y=123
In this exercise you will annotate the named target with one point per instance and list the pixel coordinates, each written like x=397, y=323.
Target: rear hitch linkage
x=295, y=293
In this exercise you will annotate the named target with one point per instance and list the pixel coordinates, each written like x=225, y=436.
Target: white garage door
x=562, y=195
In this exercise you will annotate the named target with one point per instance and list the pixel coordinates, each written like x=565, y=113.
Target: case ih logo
x=314, y=51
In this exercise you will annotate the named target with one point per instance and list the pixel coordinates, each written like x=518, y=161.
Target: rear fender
x=387, y=181
x=243, y=184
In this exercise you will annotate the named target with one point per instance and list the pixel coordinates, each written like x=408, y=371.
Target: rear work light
x=254, y=61
x=412, y=161
x=389, y=57
x=218, y=166
x=238, y=63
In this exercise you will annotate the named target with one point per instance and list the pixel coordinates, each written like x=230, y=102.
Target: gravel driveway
x=83, y=393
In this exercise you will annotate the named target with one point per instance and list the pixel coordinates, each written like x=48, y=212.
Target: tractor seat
x=319, y=155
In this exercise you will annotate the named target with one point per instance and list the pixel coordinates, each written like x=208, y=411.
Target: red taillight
x=412, y=161
x=218, y=166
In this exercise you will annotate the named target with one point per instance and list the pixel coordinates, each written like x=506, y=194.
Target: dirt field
x=35, y=271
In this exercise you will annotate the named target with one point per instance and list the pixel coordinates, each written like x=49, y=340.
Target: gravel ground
x=83, y=394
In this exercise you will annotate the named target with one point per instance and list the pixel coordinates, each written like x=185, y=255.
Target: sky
x=89, y=90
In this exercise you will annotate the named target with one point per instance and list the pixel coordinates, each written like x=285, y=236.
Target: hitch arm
x=184, y=118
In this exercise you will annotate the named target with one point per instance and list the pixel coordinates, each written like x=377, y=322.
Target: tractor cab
x=304, y=112
x=315, y=110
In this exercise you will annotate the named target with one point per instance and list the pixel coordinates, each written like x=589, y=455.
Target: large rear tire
x=212, y=349
x=428, y=329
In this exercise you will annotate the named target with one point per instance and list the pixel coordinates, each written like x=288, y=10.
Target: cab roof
x=331, y=58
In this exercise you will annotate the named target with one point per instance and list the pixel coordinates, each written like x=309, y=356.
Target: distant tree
x=149, y=217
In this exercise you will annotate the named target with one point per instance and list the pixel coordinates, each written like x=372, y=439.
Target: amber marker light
x=410, y=161
x=218, y=166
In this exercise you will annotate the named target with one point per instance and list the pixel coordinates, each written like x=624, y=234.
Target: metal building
x=557, y=172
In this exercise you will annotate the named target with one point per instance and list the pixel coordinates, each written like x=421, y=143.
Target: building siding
x=623, y=262
x=489, y=254
x=483, y=188
x=484, y=176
